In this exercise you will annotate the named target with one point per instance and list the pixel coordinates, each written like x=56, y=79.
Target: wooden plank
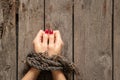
x=58, y=16
x=92, y=39
x=116, y=39
x=7, y=40
x=31, y=20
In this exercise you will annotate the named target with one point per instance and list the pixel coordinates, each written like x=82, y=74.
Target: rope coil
x=41, y=61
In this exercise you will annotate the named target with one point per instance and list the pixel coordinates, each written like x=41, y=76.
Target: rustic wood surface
x=92, y=39
x=116, y=39
x=7, y=40
x=31, y=20
x=89, y=31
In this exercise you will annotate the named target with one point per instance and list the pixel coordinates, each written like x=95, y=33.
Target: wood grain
x=58, y=16
x=7, y=40
x=31, y=20
x=116, y=39
x=92, y=39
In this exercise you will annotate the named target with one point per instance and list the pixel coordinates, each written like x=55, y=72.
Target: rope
x=41, y=61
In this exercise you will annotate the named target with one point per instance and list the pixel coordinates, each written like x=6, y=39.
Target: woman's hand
x=40, y=42
x=55, y=43
x=40, y=45
x=54, y=48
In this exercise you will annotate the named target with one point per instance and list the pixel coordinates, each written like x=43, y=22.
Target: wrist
x=35, y=70
x=56, y=72
x=58, y=75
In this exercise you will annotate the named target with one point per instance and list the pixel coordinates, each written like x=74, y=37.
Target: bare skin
x=40, y=44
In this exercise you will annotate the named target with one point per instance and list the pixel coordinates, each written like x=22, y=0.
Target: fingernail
x=46, y=31
x=51, y=31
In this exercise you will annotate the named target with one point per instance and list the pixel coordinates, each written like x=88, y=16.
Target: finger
x=57, y=36
x=51, y=38
x=39, y=36
x=45, y=39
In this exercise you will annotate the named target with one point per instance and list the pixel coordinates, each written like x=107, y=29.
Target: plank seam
x=17, y=46
x=17, y=33
x=44, y=15
x=112, y=41
x=73, y=33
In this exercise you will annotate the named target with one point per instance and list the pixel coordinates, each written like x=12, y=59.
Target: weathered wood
x=58, y=16
x=7, y=40
x=92, y=39
x=31, y=20
x=116, y=39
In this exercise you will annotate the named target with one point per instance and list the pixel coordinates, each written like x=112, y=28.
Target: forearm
x=58, y=75
x=32, y=74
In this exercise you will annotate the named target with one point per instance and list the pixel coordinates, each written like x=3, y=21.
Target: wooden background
x=90, y=30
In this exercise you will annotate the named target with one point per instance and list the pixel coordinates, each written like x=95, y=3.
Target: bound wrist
x=35, y=70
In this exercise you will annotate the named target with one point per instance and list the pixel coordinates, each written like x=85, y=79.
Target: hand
x=40, y=42
x=54, y=48
x=55, y=43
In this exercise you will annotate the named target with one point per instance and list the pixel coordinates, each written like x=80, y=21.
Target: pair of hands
x=49, y=41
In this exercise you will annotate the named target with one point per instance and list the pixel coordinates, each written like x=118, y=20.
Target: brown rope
x=41, y=61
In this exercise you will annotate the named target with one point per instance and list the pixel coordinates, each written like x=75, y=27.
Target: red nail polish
x=51, y=31
x=46, y=31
